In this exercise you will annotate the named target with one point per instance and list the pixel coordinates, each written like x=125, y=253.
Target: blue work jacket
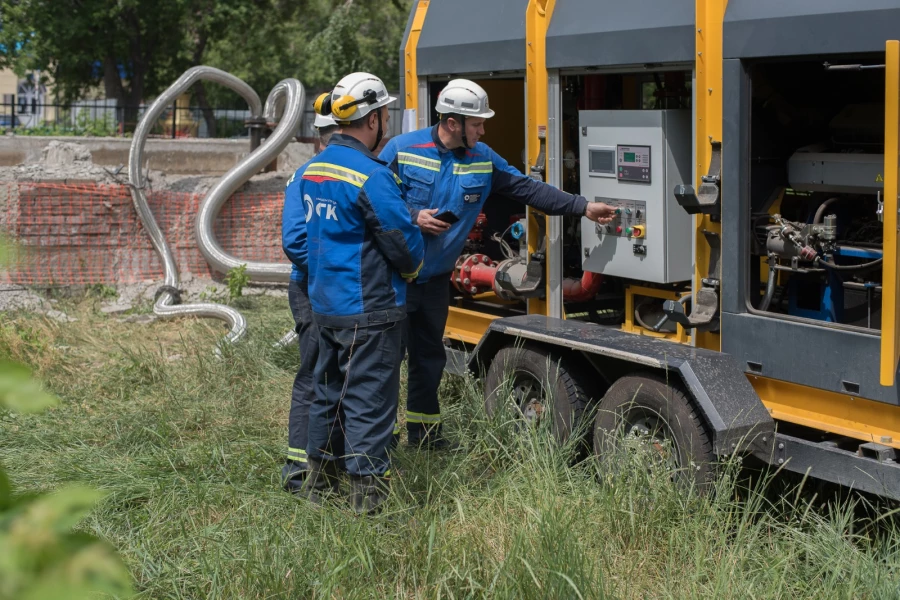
x=460, y=181
x=345, y=224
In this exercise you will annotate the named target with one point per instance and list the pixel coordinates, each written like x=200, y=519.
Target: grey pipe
x=770, y=288
x=218, y=259
x=164, y=305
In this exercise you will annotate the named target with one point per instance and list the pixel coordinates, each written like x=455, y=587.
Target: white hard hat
x=355, y=96
x=324, y=121
x=464, y=97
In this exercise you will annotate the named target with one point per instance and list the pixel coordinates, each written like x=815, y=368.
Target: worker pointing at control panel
x=447, y=175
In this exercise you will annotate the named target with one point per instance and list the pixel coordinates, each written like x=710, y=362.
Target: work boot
x=292, y=476
x=367, y=493
x=322, y=480
x=433, y=440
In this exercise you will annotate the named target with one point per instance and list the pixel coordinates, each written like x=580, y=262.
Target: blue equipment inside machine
x=823, y=298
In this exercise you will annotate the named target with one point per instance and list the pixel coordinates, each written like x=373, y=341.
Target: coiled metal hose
x=165, y=305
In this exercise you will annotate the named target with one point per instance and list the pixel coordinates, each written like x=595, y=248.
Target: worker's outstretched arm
x=510, y=183
x=388, y=218
x=293, y=224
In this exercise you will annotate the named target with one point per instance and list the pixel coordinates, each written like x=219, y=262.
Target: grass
x=189, y=448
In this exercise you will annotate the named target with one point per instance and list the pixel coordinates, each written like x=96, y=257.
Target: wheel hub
x=528, y=397
x=652, y=434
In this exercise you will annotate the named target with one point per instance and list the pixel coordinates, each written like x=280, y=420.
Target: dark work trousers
x=303, y=392
x=427, y=306
x=357, y=383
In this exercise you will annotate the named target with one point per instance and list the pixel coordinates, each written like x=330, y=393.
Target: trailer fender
x=733, y=412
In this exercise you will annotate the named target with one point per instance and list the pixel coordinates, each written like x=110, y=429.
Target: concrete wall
x=179, y=157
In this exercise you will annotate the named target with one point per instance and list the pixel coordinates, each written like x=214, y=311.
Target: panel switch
x=638, y=231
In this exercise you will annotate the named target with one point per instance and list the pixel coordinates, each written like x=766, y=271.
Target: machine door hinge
x=705, y=303
x=709, y=199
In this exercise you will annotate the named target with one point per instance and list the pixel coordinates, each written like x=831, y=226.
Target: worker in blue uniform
x=361, y=246
x=293, y=237
x=446, y=168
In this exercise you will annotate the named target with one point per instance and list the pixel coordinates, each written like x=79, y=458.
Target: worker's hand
x=428, y=224
x=600, y=212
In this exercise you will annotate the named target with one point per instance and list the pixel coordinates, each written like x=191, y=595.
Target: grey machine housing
x=592, y=34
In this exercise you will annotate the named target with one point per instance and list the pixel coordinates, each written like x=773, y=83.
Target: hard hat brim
x=442, y=110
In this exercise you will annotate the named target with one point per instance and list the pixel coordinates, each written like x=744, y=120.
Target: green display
x=629, y=156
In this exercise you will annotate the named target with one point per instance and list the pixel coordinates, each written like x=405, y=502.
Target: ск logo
x=309, y=207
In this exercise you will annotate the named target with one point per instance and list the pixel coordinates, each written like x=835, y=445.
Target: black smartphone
x=447, y=217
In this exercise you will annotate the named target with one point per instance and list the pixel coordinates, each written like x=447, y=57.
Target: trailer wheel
x=643, y=413
x=533, y=380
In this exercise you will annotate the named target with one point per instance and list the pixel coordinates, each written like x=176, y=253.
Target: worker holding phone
x=447, y=175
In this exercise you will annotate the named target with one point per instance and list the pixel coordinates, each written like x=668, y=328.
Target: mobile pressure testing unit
x=745, y=299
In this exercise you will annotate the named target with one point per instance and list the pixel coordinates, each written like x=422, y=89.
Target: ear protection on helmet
x=322, y=105
x=344, y=107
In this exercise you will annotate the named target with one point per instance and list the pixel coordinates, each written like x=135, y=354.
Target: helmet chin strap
x=380, y=135
x=465, y=139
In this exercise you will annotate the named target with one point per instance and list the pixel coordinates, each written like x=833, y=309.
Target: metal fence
x=108, y=118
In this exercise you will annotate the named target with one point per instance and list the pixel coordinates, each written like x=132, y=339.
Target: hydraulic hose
x=770, y=289
x=218, y=259
x=820, y=212
x=867, y=265
x=165, y=303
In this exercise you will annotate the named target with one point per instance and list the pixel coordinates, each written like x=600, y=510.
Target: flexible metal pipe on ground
x=164, y=305
x=218, y=259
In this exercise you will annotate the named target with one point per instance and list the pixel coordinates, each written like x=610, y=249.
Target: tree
x=126, y=45
x=136, y=48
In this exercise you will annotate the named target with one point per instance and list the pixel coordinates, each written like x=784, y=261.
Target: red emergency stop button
x=638, y=231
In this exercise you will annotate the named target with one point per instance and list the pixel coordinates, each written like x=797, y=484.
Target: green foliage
x=102, y=291
x=41, y=558
x=84, y=126
x=19, y=392
x=81, y=44
x=236, y=280
x=213, y=294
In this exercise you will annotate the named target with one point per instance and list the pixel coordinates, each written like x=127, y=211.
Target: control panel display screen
x=603, y=162
x=633, y=163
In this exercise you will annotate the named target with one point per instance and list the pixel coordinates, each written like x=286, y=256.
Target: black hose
x=867, y=265
x=820, y=212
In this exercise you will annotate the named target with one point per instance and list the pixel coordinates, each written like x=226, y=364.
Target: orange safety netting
x=87, y=234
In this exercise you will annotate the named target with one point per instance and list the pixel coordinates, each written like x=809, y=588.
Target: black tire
x=646, y=406
x=547, y=374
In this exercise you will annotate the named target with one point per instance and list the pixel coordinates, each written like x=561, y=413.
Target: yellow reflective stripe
x=479, y=167
x=336, y=171
x=397, y=429
x=414, y=417
x=415, y=273
x=397, y=179
x=387, y=474
x=405, y=158
x=297, y=454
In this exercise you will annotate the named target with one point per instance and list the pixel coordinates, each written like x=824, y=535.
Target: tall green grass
x=189, y=447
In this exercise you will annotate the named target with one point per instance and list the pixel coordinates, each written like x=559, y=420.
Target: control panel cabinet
x=632, y=160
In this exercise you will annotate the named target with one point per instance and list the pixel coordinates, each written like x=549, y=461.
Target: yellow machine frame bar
x=412, y=42
x=679, y=335
x=467, y=326
x=708, y=95
x=841, y=414
x=537, y=21
x=890, y=323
